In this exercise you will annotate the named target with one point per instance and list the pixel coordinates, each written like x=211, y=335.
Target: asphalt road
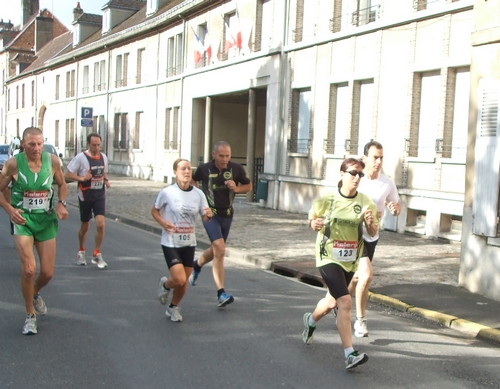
x=106, y=328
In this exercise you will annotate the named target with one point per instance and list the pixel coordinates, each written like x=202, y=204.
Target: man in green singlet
x=35, y=217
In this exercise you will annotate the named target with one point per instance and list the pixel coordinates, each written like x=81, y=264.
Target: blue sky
x=62, y=9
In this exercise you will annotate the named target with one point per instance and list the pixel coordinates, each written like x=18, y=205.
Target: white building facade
x=294, y=86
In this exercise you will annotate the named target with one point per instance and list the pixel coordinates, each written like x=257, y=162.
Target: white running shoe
x=97, y=260
x=80, y=258
x=29, y=327
x=360, y=328
x=162, y=292
x=39, y=305
x=173, y=313
x=355, y=359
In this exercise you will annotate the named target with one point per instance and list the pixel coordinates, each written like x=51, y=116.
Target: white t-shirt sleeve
x=79, y=165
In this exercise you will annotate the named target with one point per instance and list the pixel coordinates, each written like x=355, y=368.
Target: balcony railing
x=298, y=145
x=356, y=18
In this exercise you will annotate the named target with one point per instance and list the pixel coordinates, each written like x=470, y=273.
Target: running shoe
x=39, y=305
x=360, y=328
x=29, y=327
x=224, y=299
x=173, y=313
x=194, y=276
x=80, y=258
x=162, y=292
x=308, y=333
x=97, y=260
x=354, y=359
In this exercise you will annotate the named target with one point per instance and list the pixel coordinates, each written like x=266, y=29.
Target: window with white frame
x=428, y=117
x=85, y=80
x=137, y=141
x=121, y=131
x=338, y=119
x=171, y=129
x=365, y=113
x=119, y=71
x=17, y=96
x=22, y=95
x=264, y=22
x=141, y=75
x=460, y=115
x=33, y=93
x=174, y=55
x=70, y=134
x=98, y=127
x=56, y=133
x=99, y=76
x=300, y=121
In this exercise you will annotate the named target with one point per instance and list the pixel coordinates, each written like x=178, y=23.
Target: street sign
x=87, y=123
x=87, y=113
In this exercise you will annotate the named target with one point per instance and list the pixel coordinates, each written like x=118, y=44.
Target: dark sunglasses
x=355, y=173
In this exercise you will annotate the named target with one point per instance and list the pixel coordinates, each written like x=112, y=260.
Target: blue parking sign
x=87, y=112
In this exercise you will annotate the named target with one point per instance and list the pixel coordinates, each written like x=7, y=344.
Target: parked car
x=4, y=155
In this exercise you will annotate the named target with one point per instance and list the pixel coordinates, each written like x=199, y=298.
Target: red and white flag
x=207, y=45
x=233, y=33
x=199, y=50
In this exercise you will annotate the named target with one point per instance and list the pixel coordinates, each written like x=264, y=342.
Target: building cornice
x=167, y=17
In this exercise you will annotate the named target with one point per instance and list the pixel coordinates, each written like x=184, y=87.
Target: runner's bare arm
x=62, y=194
x=9, y=172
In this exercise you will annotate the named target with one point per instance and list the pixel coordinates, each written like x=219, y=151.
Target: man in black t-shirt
x=221, y=179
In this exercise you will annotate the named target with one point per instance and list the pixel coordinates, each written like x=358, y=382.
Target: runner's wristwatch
x=63, y=202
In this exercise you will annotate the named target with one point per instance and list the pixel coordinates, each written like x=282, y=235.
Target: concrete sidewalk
x=411, y=273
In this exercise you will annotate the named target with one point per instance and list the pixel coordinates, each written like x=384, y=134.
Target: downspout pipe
x=281, y=97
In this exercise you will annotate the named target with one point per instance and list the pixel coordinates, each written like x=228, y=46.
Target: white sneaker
x=29, y=327
x=80, y=258
x=97, y=260
x=360, y=328
x=162, y=292
x=39, y=304
x=355, y=359
x=173, y=313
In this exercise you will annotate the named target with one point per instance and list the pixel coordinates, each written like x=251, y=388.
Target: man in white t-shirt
x=382, y=190
x=90, y=169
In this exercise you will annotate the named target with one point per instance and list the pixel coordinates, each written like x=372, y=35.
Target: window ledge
x=298, y=155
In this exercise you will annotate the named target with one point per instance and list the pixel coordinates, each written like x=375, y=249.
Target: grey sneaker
x=354, y=359
x=173, y=313
x=80, y=258
x=308, y=333
x=162, y=292
x=39, y=304
x=97, y=260
x=360, y=328
x=29, y=327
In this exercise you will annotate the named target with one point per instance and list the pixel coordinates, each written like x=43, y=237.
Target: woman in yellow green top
x=338, y=218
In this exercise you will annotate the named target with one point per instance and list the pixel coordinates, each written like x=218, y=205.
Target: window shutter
x=487, y=159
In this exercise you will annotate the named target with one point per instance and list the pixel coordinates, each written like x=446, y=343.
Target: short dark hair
x=93, y=134
x=370, y=144
x=32, y=131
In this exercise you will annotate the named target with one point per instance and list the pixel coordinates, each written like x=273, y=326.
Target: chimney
x=30, y=8
x=77, y=11
x=44, y=30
